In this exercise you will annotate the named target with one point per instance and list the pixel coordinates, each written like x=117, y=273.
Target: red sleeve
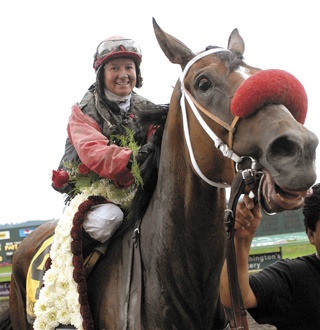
x=108, y=161
x=151, y=130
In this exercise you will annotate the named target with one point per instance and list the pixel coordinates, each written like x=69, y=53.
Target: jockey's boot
x=88, y=244
x=92, y=259
x=93, y=250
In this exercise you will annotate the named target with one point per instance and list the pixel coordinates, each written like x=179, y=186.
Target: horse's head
x=231, y=110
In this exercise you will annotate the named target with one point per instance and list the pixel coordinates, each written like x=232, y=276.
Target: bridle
x=247, y=177
x=230, y=128
x=195, y=106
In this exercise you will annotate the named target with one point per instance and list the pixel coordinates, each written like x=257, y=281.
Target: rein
x=248, y=177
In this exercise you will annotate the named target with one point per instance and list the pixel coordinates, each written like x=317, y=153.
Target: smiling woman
x=120, y=77
x=97, y=128
x=107, y=141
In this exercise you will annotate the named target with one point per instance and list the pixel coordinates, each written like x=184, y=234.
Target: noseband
x=195, y=106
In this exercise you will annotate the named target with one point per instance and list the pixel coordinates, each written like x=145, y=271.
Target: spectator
x=286, y=293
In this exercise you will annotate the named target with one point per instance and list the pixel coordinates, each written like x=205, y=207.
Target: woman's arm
x=109, y=161
x=248, y=217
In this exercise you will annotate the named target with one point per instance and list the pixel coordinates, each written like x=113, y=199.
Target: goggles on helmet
x=112, y=48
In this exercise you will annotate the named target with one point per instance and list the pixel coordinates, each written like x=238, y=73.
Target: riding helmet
x=117, y=46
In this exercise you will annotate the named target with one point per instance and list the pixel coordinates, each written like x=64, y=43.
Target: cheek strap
x=270, y=87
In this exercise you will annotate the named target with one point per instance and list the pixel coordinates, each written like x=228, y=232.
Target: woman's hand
x=248, y=217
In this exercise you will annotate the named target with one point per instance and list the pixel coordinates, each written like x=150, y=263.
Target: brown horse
x=168, y=277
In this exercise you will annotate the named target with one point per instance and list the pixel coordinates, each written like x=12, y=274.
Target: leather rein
x=251, y=178
x=247, y=177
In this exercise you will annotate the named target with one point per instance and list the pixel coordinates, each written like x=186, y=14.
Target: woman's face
x=120, y=76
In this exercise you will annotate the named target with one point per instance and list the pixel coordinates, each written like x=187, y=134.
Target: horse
x=164, y=272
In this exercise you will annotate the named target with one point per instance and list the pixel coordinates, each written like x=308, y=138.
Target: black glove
x=142, y=154
x=147, y=149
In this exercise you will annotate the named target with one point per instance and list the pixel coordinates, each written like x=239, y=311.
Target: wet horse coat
x=168, y=278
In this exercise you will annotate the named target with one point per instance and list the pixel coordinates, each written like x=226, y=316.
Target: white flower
x=40, y=308
x=64, y=316
x=62, y=287
x=58, y=301
x=41, y=324
x=49, y=278
x=77, y=321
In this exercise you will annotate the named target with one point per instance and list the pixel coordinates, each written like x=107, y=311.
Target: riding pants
x=102, y=221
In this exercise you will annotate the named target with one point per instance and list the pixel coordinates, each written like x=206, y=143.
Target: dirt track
x=4, y=304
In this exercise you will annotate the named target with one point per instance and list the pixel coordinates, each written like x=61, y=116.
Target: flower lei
x=85, y=181
x=54, y=307
x=66, y=272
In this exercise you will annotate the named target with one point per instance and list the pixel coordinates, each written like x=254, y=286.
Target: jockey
x=108, y=110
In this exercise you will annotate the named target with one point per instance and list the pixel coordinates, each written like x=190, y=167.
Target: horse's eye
x=204, y=84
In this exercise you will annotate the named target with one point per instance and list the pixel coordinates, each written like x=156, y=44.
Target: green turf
x=297, y=251
x=287, y=252
x=5, y=269
x=291, y=252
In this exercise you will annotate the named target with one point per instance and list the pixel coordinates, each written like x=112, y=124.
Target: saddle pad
x=35, y=276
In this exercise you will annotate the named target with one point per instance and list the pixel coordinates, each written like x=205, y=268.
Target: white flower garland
x=58, y=301
x=105, y=188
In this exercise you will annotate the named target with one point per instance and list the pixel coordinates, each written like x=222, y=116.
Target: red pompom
x=270, y=87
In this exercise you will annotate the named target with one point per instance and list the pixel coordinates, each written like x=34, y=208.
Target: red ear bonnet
x=270, y=87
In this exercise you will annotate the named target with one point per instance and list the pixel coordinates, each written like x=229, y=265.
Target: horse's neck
x=182, y=238
x=182, y=201
x=184, y=189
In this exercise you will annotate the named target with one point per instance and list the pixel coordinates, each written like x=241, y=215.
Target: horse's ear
x=175, y=50
x=236, y=43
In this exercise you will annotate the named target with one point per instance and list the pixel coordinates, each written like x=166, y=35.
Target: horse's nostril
x=283, y=147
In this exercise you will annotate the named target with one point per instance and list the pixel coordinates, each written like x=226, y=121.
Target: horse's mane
x=150, y=115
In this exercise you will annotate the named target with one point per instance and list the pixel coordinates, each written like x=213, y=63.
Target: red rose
x=83, y=169
x=59, y=178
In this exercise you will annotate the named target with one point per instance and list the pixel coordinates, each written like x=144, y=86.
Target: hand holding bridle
x=248, y=217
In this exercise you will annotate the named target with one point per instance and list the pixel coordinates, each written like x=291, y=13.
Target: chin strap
x=249, y=177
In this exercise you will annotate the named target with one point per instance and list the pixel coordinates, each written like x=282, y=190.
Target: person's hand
x=248, y=217
x=141, y=156
x=143, y=153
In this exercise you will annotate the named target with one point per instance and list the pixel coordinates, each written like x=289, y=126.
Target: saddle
x=39, y=264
